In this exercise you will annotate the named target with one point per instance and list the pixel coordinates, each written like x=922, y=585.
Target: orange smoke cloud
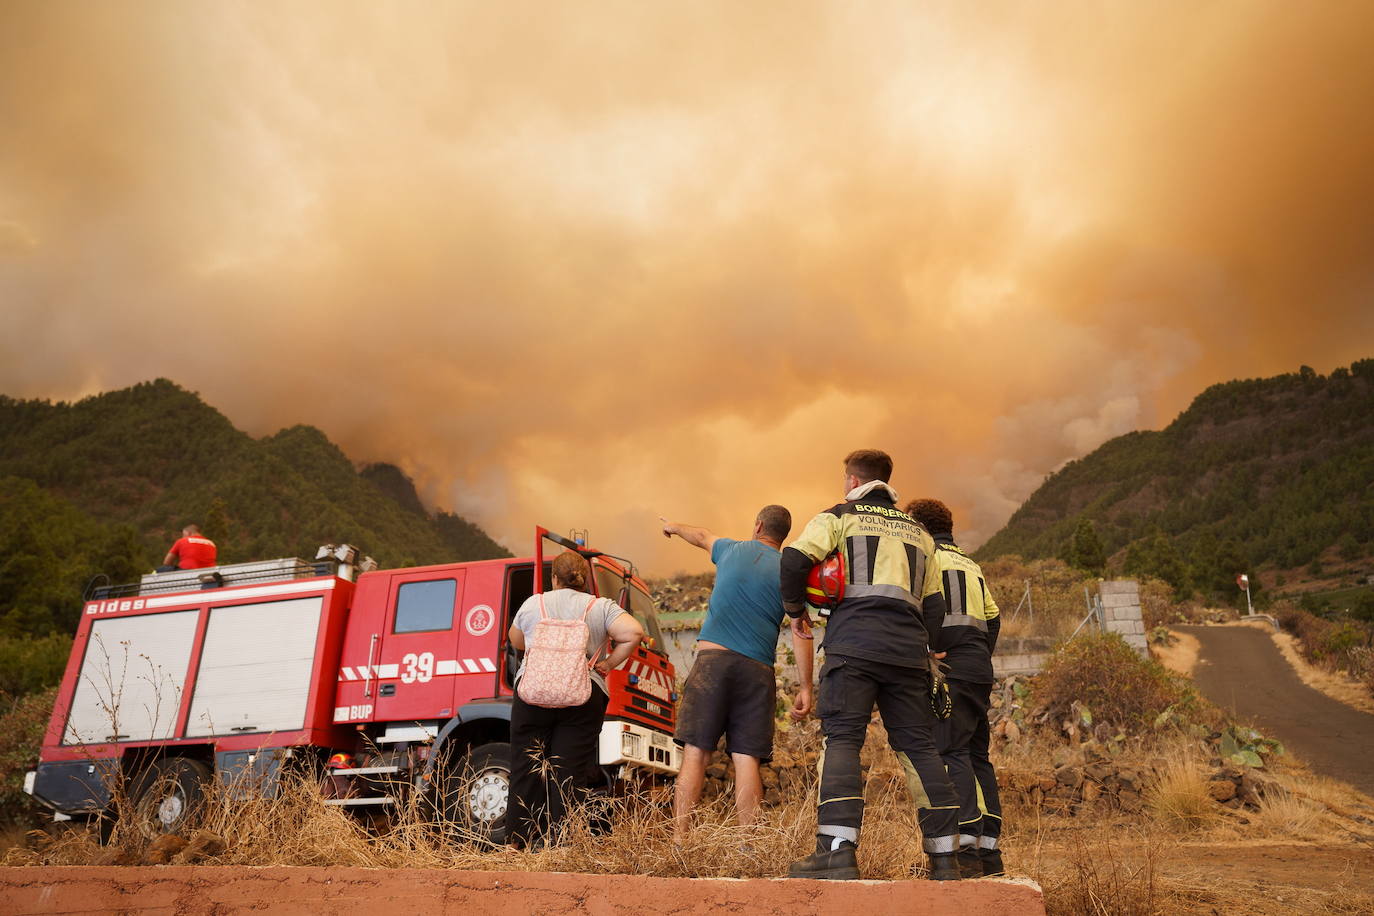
x=584, y=266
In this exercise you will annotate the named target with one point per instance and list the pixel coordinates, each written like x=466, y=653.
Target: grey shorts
x=732, y=695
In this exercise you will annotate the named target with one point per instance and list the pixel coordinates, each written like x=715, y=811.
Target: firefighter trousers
x=849, y=689
x=963, y=743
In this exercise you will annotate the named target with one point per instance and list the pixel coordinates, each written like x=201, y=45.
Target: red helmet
x=339, y=762
x=825, y=584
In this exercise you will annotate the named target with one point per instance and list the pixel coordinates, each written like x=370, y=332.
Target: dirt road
x=1239, y=667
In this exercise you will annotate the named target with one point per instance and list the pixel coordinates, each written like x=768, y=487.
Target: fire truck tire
x=169, y=795
x=483, y=788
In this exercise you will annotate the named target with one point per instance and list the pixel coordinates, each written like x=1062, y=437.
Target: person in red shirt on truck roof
x=192, y=551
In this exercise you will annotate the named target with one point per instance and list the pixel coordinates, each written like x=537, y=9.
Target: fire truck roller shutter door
x=132, y=678
x=248, y=683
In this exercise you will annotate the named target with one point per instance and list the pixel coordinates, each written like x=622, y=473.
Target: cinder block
x=1120, y=600
x=1119, y=587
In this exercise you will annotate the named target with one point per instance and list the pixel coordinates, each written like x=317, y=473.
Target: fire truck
x=400, y=679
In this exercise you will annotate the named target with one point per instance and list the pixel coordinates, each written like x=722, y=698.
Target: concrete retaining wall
x=194, y=890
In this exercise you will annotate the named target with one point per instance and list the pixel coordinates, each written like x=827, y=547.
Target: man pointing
x=731, y=690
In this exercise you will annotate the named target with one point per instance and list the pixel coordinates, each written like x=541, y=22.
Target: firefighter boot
x=834, y=860
x=970, y=862
x=944, y=866
x=992, y=862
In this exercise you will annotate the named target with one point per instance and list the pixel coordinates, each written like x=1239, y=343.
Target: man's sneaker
x=944, y=867
x=970, y=862
x=992, y=862
x=828, y=864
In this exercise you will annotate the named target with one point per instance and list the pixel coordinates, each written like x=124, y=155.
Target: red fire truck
x=241, y=672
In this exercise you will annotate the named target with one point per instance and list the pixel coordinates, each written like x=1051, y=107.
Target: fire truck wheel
x=170, y=794
x=485, y=787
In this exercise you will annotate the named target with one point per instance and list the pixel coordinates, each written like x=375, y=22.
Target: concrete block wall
x=1024, y=655
x=1121, y=611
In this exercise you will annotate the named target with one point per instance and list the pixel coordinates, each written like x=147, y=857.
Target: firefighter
x=192, y=550
x=968, y=639
x=876, y=647
x=731, y=690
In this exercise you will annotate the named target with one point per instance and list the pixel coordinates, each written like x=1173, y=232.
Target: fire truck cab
x=399, y=680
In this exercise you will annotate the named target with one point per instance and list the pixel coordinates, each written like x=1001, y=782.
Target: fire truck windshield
x=609, y=582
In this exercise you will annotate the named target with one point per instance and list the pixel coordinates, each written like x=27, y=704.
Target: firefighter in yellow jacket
x=876, y=652
x=968, y=638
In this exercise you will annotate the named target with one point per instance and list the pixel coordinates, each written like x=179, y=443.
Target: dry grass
x=1179, y=799
x=1110, y=863
x=1282, y=812
x=1057, y=603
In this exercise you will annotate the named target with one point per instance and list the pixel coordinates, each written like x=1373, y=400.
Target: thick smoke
x=586, y=265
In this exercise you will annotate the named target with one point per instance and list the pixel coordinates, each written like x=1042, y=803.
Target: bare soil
x=1258, y=878
x=1181, y=657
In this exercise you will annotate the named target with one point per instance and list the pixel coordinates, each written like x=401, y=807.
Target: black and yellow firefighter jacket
x=972, y=621
x=893, y=602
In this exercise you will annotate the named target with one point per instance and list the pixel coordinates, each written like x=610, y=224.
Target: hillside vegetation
x=1270, y=475
x=104, y=485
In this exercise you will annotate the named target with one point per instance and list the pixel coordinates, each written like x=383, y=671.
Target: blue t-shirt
x=746, y=611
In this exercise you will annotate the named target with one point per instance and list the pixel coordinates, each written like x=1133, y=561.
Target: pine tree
x=1085, y=549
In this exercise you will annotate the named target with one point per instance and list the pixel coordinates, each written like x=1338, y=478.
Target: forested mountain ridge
x=103, y=485
x=1259, y=474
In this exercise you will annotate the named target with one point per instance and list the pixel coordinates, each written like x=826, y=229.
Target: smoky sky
x=583, y=265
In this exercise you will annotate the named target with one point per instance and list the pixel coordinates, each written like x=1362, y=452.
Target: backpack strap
x=591, y=662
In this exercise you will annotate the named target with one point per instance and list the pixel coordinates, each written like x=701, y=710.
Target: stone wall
x=1014, y=656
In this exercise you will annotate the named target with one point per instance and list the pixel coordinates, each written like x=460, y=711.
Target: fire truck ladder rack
x=214, y=577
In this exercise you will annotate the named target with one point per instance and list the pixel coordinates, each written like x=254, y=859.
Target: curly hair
x=932, y=513
x=571, y=570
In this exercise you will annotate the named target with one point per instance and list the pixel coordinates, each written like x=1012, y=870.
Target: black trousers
x=963, y=742
x=849, y=689
x=552, y=751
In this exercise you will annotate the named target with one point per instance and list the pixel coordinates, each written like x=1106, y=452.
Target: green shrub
x=1340, y=639
x=31, y=663
x=23, y=722
x=1115, y=682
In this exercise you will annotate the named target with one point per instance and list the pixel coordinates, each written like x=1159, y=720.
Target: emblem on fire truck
x=479, y=620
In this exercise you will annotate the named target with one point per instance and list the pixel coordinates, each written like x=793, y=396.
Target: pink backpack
x=557, y=670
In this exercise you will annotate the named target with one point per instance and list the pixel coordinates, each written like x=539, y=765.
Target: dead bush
x=1117, y=685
